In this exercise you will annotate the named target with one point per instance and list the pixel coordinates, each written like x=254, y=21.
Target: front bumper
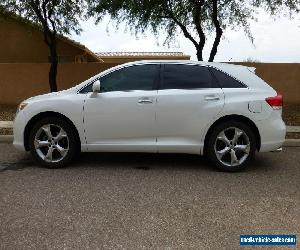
x=18, y=129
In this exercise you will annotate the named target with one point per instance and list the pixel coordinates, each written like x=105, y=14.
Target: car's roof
x=227, y=67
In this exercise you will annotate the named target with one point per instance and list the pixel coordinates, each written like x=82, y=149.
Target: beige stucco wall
x=19, y=81
x=20, y=43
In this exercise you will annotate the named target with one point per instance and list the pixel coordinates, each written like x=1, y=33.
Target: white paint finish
x=272, y=131
x=182, y=115
x=117, y=118
x=255, y=106
x=67, y=103
x=176, y=120
x=237, y=102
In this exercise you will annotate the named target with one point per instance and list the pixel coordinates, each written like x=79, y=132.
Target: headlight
x=22, y=106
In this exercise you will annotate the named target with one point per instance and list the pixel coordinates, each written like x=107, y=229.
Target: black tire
x=73, y=143
x=211, y=143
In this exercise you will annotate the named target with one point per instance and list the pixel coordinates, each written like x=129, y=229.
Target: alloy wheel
x=51, y=143
x=232, y=146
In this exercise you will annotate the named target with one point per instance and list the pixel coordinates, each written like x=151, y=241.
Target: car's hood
x=47, y=96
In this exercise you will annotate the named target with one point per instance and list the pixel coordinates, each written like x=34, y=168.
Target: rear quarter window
x=226, y=81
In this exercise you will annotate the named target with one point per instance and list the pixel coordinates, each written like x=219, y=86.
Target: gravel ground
x=6, y=131
x=7, y=112
x=145, y=201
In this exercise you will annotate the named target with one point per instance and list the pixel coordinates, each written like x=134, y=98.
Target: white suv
x=222, y=110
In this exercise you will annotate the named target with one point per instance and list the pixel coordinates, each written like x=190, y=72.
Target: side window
x=87, y=89
x=178, y=76
x=139, y=77
x=226, y=81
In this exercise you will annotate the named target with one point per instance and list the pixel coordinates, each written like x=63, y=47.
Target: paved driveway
x=140, y=201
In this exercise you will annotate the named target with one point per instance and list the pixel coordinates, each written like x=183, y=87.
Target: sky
x=274, y=41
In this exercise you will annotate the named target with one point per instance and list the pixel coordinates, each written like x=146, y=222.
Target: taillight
x=275, y=102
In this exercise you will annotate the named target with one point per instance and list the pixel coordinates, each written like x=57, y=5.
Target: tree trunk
x=219, y=31
x=52, y=76
x=214, y=49
x=45, y=16
x=54, y=63
x=199, y=53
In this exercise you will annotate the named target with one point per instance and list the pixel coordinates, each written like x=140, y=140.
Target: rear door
x=188, y=100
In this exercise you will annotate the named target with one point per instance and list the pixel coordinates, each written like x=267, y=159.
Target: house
x=23, y=42
x=123, y=57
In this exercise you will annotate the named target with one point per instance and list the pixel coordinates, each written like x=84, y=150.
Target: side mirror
x=96, y=86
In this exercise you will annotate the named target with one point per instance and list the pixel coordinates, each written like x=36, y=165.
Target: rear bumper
x=272, y=133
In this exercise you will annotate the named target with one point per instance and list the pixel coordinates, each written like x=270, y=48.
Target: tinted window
x=87, y=89
x=139, y=77
x=226, y=81
x=186, y=77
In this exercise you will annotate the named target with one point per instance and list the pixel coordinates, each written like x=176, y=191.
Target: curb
x=293, y=129
x=291, y=143
x=6, y=138
x=287, y=143
x=6, y=124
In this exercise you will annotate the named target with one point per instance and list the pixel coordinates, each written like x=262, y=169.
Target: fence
x=283, y=77
x=19, y=81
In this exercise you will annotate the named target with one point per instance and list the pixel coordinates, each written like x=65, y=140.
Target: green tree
x=54, y=17
x=196, y=19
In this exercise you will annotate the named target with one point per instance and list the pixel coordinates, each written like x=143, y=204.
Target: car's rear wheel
x=231, y=146
x=53, y=142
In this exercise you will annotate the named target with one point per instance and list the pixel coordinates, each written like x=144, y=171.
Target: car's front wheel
x=231, y=145
x=53, y=142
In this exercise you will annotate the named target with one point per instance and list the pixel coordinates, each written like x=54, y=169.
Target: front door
x=122, y=116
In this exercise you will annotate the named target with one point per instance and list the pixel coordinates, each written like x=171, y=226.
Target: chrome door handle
x=212, y=98
x=145, y=101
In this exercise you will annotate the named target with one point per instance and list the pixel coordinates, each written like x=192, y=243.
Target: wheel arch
x=239, y=118
x=42, y=115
